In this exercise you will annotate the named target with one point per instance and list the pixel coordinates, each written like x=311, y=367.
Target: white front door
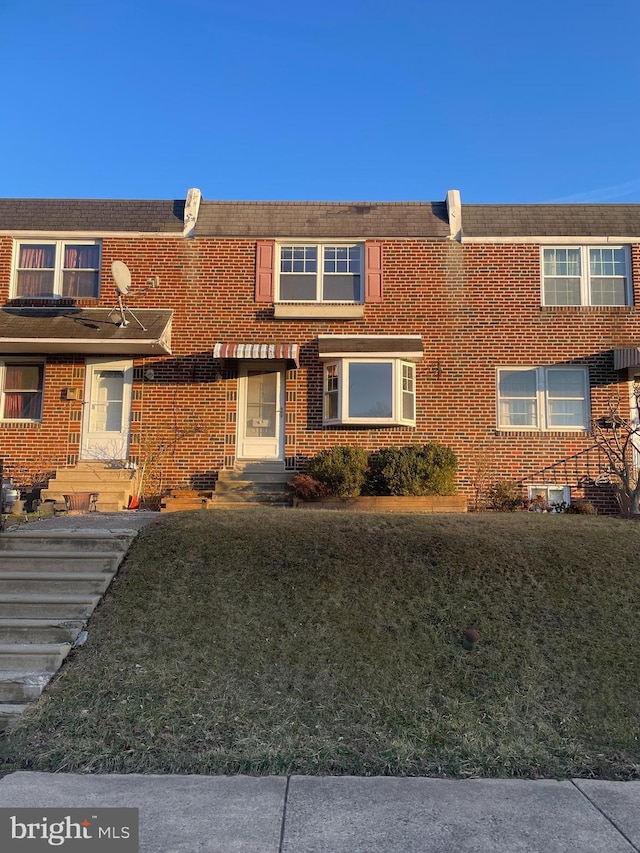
x=107, y=409
x=260, y=411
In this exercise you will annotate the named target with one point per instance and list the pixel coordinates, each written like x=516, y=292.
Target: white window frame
x=585, y=276
x=541, y=400
x=336, y=381
x=8, y=362
x=58, y=268
x=533, y=490
x=320, y=247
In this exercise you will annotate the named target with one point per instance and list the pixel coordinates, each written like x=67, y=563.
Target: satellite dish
x=121, y=276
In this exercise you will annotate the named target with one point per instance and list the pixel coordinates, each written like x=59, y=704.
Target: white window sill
x=319, y=311
x=369, y=424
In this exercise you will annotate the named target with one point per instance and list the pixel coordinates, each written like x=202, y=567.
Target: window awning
x=408, y=347
x=94, y=331
x=291, y=352
x=626, y=357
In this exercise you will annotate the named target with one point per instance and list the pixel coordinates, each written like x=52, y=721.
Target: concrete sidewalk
x=242, y=814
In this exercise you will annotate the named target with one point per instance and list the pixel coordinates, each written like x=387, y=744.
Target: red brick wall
x=475, y=306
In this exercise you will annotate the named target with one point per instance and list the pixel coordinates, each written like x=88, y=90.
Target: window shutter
x=373, y=270
x=265, y=253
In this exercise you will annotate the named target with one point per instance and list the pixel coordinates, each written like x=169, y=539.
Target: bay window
x=369, y=391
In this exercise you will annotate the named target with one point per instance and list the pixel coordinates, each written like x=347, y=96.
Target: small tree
x=618, y=438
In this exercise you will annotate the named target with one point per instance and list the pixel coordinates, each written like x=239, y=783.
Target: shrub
x=413, y=470
x=309, y=489
x=505, y=496
x=581, y=507
x=342, y=470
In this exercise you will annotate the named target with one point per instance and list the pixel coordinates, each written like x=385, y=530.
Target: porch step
x=46, y=605
x=10, y=714
x=114, y=485
x=39, y=630
x=186, y=499
x=30, y=538
x=50, y=584
x=30, y=657
x=54, y=583
x=19, y=686
x=71, y=562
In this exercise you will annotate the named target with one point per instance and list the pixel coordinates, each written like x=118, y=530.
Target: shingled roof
x=104, y=215
x=551, y=220
x=322, y=219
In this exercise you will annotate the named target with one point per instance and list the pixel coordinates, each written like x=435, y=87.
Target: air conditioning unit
x=72, y=393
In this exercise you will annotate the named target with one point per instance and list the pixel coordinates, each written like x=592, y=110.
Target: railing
x=590, y=466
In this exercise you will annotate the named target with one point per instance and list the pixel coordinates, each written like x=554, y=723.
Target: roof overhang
x=626, y=357
x=93, y=331
x=408, y=347
x=258, y=352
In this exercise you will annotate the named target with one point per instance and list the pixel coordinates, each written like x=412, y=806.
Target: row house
x=188, y=338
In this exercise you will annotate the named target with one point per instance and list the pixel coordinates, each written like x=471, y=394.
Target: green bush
x=343, y=470
x=413, y=470
x=505, y=496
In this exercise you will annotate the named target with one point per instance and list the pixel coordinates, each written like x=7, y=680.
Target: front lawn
x=286, y=641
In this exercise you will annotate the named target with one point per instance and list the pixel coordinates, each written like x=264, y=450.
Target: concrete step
x=54, y=583
x=29, y=537
x=258, y=466
x=10, y=714
x=108, y=501
x=33, y=657
x=59, y=561
x=92, y=475
x=39, y=630
x=244, y=475
x=47, y=606
x=19, y=686
x=269, y=486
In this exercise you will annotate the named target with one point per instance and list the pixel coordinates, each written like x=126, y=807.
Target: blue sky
x=339, y=100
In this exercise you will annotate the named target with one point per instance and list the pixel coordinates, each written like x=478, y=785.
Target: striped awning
x=626, y=357
x=290, y=352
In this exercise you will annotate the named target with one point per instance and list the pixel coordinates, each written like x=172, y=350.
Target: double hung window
x=21, y=384
x=543, y=398
x=320, y=273
x=55, y=269
x=369, y=391
x=586, y=275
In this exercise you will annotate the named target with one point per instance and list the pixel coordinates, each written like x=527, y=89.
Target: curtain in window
x=23, y=391
x=81, y=257
x=40, y=259
x=80, y=275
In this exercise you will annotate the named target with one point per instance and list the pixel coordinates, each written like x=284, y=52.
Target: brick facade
x=476, y=306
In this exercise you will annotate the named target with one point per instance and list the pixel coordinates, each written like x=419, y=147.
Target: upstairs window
x=586, y=275
x=21, y=390
x=542, y=398
x=367, y=391
x=320, y=273
x=56, y=269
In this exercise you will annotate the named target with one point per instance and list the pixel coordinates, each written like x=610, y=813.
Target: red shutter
x=373, y=271
x=265, y=254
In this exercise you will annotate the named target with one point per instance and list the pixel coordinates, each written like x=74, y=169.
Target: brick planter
x=427, y=503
